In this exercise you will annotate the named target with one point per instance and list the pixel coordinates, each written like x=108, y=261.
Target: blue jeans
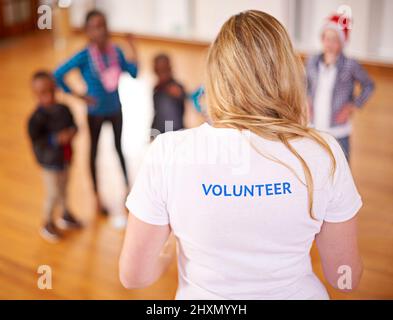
x=345, y=145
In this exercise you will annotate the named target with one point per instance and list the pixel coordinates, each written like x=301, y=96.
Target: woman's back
x=246, y=207
x=241, y=220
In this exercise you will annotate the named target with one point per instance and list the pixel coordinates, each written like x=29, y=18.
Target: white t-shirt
x=323, y=103
x=241, y=220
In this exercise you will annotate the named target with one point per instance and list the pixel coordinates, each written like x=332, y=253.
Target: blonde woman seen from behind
x=246, y=196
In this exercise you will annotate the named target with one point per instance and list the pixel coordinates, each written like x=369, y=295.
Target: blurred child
x=101, y=64
x=331, y=78
x=51, y=129
x=169, y=98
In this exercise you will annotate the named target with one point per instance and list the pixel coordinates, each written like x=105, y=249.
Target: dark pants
x=95, y=124
x=345, y=145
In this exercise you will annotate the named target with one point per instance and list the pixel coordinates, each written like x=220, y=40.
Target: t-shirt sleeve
x=147, y=199
x=345, y=200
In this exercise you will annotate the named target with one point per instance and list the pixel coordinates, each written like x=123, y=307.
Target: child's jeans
x=345, y=145
x=56, y=191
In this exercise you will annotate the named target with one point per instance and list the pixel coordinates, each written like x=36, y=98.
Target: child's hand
x=346, y=112
x=174, y=90
x=89, y=100
x=62, y=137
x=65, y=136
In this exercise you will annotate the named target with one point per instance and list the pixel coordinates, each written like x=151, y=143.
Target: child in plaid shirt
x=331, y=78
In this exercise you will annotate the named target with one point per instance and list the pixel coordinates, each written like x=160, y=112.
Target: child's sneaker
x=50, y=232
x=68, y=221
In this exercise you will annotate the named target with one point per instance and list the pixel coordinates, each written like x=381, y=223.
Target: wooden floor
x=84, y=265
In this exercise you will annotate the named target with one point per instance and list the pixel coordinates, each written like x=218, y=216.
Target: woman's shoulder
x=315, y=154
x=331, y=141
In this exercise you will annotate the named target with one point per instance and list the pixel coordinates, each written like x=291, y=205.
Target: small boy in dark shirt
x=51, y=129
x=169, y=98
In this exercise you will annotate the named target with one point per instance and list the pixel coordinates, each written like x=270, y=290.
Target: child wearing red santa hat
x=331, y=78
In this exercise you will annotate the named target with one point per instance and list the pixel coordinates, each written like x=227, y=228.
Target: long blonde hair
x=255, y=81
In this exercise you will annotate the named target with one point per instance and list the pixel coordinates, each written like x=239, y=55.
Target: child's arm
x=366, y=83
x=177, y=91
x=134, y=52
x=70, y=119
x=128, y=66
x=75, y=62
x=309, y=64
x=65, y=136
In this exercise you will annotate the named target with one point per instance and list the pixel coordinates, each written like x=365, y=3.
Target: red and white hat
x=341, y=23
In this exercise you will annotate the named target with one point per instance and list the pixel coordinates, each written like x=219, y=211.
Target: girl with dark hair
x=100, y=64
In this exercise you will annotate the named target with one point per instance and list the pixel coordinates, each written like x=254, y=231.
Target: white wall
x=78, y=11
x=128, y=15
x=152, y=17
x=172, y=18
x=192, y=19
x=385, y=49
x=211, y=14
x=200, y=20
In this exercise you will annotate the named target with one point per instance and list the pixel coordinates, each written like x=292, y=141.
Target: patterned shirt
x=349, y=72
x=107, y=103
